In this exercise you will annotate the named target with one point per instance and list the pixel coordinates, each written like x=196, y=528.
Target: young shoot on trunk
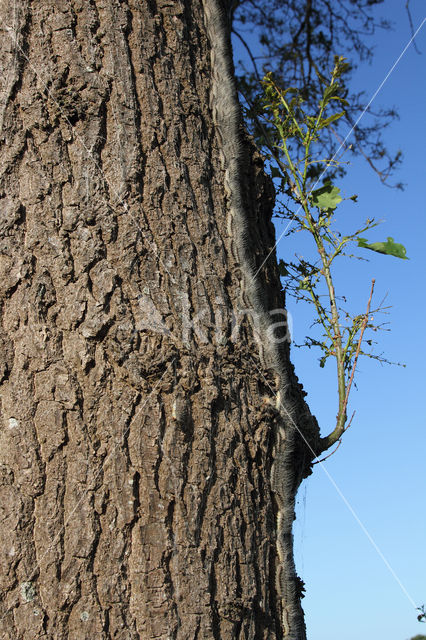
x=291, y=136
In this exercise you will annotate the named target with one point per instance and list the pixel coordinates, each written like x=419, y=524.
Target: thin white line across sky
x=345, y=500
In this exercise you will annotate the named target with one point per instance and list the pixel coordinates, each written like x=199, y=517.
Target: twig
x=349, y=423
x=358, y=349
x=339, y=442
x=410, y=19
x=251, y=56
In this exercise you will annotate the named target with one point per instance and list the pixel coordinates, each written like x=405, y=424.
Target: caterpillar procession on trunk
x=227, y=118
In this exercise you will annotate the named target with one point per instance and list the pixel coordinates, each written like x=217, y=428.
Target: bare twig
x=410, y=20
x=358, y=349
x=249, y=51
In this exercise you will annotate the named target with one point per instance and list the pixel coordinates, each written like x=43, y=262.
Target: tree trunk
x=149, y=449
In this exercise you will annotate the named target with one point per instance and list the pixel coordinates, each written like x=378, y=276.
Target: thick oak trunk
x=142, y=442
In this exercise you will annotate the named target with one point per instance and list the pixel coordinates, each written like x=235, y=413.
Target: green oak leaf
x=390, y=248
x=327, y=197
x=330, y=119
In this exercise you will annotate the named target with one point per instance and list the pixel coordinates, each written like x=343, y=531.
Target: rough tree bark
x=139, y=416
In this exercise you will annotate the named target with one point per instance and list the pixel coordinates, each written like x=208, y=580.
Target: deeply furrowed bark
x=138, y=419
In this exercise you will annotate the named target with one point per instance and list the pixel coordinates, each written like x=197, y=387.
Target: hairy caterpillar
x=227, y=119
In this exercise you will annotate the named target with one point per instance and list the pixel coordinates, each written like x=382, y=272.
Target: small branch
x=410, y=20
x=340, y=429
x=315, y=214
x=358, y=349
x=251, y=56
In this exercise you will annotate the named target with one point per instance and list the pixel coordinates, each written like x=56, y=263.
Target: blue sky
x=360, y=532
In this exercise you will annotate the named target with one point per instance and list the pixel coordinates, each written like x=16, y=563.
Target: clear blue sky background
x=360, y=532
